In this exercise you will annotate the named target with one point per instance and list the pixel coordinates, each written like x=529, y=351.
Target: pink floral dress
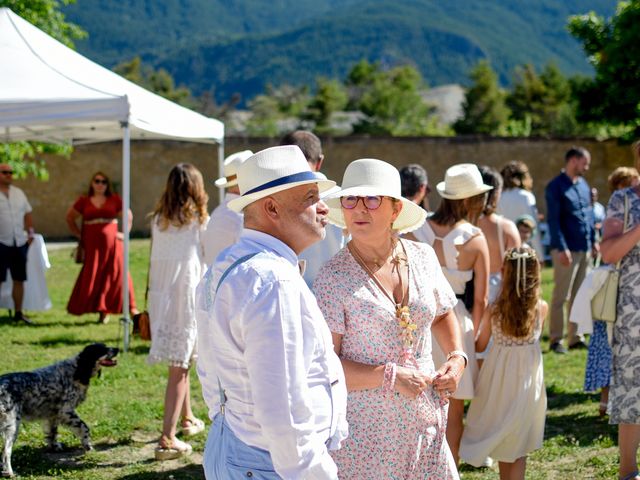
x=390, y=435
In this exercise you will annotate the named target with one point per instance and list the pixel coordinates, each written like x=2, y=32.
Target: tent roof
x=50, y=93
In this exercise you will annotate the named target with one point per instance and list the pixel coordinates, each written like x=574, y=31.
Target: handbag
x=604, y=303
x=142, y=320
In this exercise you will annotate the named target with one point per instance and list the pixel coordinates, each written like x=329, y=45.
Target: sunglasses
x=99, y=181
x=7, y=172
x=370, y=202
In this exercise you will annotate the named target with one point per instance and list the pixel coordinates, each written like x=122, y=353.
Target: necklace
x=376, y=261
x=403, y=315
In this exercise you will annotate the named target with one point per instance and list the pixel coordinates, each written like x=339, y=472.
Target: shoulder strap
x=234, y=265
x=624, y=222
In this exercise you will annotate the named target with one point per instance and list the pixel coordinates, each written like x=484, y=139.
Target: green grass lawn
x=124, y=406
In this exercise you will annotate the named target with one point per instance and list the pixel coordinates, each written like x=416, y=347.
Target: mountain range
x=240, y=46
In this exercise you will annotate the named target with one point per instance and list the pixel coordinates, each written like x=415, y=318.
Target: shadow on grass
x=37, y=461
x=187, y=472
x=576, y=427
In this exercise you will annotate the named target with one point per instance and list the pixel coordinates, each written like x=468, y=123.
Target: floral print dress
x=624, y=393
x=390, y=436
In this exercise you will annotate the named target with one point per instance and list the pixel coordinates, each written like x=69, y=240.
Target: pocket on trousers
x=237, y=472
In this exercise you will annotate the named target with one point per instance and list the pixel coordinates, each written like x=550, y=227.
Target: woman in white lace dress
x=179, y=221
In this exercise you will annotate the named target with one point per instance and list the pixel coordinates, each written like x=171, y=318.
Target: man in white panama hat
x=273, y=384
x=225, y=225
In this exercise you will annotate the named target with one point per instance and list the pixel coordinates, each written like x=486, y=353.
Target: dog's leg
x=11, y=428
x=51, y=431
x=75, y=423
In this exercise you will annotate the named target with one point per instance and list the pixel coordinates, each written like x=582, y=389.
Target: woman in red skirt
x=99, y=284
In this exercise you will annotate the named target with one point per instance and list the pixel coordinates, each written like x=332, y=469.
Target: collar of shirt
x=269, y=242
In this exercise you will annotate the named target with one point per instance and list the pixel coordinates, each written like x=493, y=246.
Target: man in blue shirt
x=570, y=219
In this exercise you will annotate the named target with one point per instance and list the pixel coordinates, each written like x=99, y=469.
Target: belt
x=100, y=220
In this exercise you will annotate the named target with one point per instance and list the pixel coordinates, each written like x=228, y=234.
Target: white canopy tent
x=50, y=93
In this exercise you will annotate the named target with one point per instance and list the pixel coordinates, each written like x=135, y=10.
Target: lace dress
x=457, y=279
x=175, y=271
x=390, y=436
x=506, y=418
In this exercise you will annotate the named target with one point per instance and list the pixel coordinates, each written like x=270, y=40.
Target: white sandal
x=192, y=426
x=170, y=450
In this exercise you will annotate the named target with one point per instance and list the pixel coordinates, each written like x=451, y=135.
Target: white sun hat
x=462, y=181
x=231, y=164
x=329, y=192
x=369, y=177
x=272, y=170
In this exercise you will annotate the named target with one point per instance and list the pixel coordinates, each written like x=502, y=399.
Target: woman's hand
x=447, y=377
x=410, y=382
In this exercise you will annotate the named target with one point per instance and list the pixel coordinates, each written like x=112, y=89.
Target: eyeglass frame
x=364, y=201
x=7, y=172
x=100, y=181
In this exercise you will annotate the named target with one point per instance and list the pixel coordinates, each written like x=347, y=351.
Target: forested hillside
x=239, y=46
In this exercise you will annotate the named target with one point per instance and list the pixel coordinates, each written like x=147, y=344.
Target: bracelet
x=389, y=379
x=458, y=353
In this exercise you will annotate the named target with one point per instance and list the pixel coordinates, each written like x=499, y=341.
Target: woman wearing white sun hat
x=382, y=297
x=464, y=256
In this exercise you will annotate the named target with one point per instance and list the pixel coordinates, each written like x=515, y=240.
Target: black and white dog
x=50, y=394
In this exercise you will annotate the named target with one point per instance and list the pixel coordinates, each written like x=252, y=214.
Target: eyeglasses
x=370, y=202
x=99, y=181
x=6, y=172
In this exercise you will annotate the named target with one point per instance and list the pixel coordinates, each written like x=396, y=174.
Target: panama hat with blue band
x=273, y=170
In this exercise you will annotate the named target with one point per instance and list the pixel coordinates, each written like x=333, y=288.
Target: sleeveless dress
x=495, y=279
x=457, y=279
x=176, y=268
x=624, y=393
x=99, y=284
x=506, y=418
x=390, y=436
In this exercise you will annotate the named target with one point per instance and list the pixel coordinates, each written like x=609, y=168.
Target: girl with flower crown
x=510, y=381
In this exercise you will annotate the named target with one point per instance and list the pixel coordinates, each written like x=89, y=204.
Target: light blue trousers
x=226, y=457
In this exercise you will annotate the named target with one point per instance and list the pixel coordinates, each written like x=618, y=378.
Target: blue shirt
x=569, y=214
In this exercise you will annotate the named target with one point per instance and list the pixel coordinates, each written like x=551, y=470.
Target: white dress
x=506, y=419
x=177, y=266
x=457, y=279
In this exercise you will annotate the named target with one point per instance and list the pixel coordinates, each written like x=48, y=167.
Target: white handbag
x=605, y=302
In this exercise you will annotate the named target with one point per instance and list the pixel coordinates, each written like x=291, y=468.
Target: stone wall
x=151, y=162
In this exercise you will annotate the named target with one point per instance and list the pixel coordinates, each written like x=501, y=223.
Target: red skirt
x=99, y=284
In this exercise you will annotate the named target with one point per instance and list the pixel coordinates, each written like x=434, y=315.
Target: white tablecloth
x=36, y=294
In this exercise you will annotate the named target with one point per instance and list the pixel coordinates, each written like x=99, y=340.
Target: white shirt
x=223, y=230
x=12, y=211
x=516, y=202
x=263, y=335
x=320, y=252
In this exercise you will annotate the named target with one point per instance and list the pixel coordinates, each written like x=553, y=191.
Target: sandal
x=630, y=476
x=170, y=450
x=192, y=426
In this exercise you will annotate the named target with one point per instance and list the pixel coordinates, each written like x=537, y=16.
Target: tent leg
x=221, y=168
x=126, y=171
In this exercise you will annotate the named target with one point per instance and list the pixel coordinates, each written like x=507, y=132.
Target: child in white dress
x=506, y=418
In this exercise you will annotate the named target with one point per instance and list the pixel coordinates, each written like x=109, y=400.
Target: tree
x=279, y=109
x=613, y=48
x=45, y=15
x=484, y=107
x=330, y=97
x=544, y=100
x=391, y=100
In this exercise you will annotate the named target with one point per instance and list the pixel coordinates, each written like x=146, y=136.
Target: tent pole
x=126, y=170
x=221, y=168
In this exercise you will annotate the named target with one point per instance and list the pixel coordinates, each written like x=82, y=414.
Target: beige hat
x=462, y=181
x=231, y=164
x=369, y=176
x=273, y=170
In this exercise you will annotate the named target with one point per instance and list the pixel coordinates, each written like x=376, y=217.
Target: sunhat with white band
x=368, y=177
x=231, y=164
x=462, y=181
x=273, y=170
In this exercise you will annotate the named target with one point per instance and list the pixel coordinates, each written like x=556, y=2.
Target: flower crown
x=521, y=258
x=513, y=254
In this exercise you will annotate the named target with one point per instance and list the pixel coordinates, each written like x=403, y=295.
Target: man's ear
x=319, y=163
x=271, y=208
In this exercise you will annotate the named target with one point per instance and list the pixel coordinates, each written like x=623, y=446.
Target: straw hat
x=367, y=177
x=273, y=170
x=462, y=181
x=230, y=166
